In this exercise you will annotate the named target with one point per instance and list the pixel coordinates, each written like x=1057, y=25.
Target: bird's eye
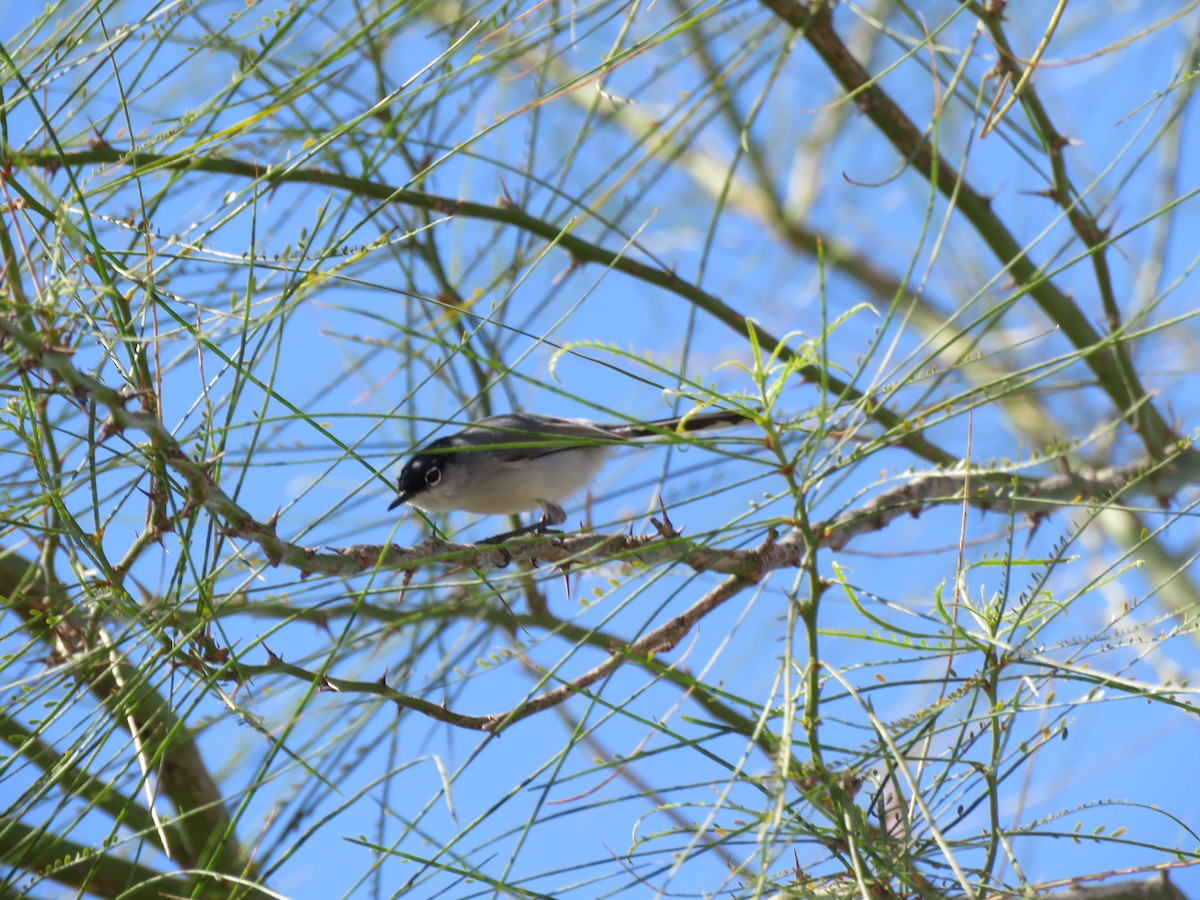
x=433, y=475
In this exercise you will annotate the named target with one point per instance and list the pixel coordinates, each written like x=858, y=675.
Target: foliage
x=871, y=644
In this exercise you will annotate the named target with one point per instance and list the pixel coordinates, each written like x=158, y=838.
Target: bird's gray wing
x=540, y=435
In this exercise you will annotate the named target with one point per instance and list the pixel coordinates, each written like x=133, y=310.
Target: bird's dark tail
x=704, y=421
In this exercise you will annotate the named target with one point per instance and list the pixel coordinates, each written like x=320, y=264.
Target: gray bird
x=521, y=461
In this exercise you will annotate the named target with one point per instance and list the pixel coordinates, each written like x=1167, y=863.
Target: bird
x=516, y=462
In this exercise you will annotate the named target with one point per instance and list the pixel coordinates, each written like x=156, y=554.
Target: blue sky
x=363, y=348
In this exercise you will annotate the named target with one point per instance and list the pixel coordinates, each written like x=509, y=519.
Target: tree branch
x=1004, y=491
x=581, y=251
x=1101, y=354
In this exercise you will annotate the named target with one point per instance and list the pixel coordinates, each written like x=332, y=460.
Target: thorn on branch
x=327, y=685
x=506, y=201
x=322, y=621
x=573, y=266
x=109, y=428
x=1105, y=231
x=664, y=526
x=97, y=141
x=272, y=659
x=770, y=542
x=1065, y=140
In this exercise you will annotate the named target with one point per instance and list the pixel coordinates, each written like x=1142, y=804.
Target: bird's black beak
x=402, y=497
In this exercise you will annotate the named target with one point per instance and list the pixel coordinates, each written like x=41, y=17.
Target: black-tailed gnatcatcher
x=521, y=461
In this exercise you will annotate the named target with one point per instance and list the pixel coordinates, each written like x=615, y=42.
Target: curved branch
x=1101, y=354
x=661, y=640
x=580, y=250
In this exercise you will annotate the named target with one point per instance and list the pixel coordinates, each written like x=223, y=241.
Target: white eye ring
x=433, y=475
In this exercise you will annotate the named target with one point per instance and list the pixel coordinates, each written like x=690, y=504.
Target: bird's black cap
x=422, y=472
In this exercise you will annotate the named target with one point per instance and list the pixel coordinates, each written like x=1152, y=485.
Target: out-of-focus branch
x=77, y=782
x=204, y=823
x=102, y=872
x=1119, y=381
x=1159, y=888
x=1062, y=192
